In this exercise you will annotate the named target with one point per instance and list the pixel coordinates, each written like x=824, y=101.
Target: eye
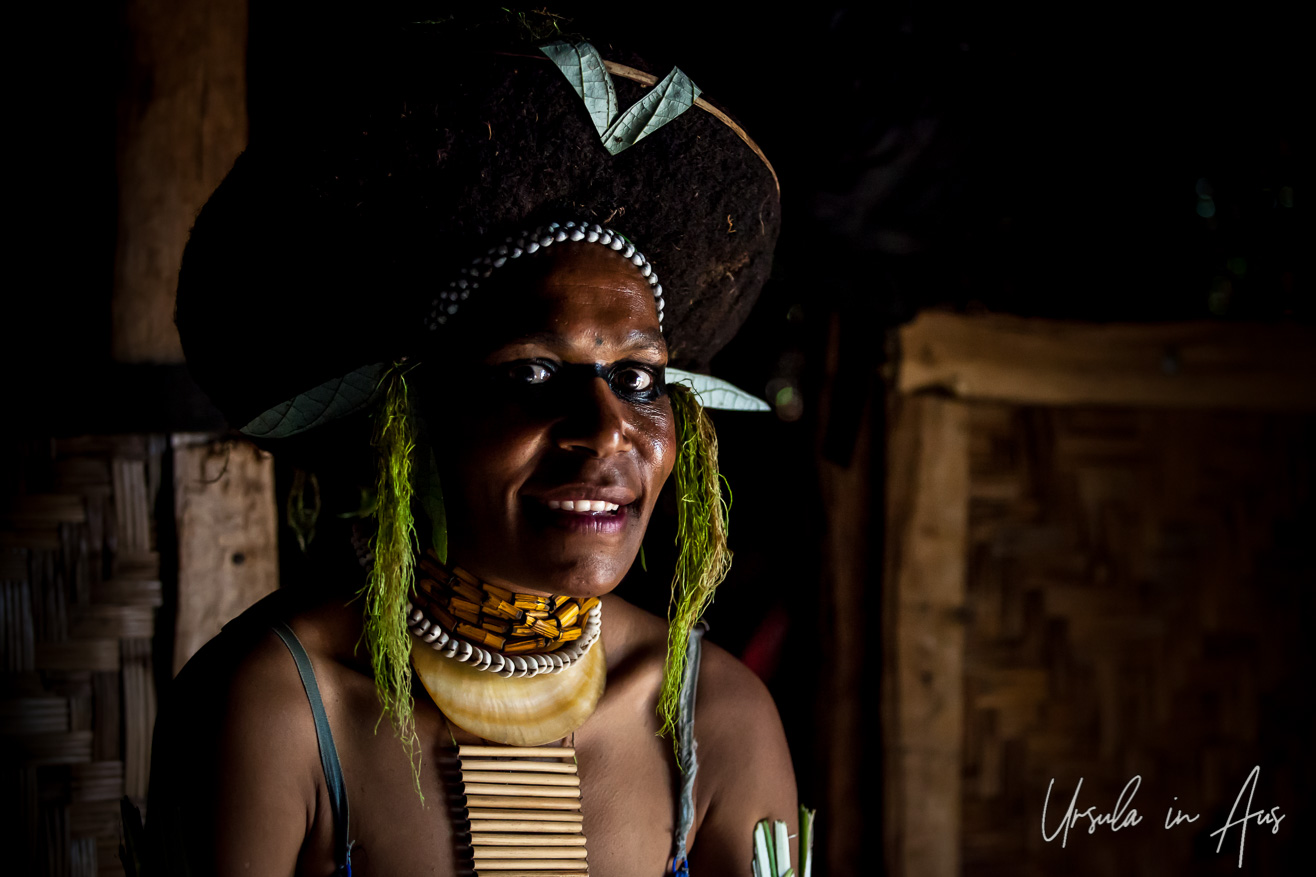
x=632, y=380
x=529, y=373
x=636, y=382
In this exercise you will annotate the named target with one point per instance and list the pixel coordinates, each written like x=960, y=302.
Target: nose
x=596, y=422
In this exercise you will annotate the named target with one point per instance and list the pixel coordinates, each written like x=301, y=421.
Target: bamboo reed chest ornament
x=520, y=670
x=523, y=807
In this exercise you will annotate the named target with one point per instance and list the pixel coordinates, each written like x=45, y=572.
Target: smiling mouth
x=583, y=506
x=586, y=516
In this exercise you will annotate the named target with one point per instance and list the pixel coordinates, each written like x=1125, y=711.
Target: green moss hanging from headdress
x=391, y=575
x=701, y=537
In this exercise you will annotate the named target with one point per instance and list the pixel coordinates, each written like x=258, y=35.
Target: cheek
x=656, y=432
x=485, y=458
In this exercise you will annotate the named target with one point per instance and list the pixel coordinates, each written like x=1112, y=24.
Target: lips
x=582, y=505
x=586, y=508
x=583, y=497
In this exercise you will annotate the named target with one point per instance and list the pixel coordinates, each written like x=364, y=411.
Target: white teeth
x=582, y=505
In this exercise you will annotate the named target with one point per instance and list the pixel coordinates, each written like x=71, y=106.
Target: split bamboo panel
x=1139, y=584
x=80, y=589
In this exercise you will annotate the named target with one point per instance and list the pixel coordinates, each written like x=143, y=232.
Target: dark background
x=1103, y=163
x=1096, y=163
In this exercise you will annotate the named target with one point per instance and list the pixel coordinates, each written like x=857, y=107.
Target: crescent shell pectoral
x=516, y=710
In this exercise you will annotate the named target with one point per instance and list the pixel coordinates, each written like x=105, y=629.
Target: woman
x=453, y=257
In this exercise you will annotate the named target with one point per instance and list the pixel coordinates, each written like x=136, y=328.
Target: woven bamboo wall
x=1139, y=585
x=80, y=580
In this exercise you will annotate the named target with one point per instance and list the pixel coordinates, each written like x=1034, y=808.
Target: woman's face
x=557, y=434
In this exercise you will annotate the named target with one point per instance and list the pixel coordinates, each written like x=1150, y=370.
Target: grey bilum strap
x=333, y=772
x=685, y=742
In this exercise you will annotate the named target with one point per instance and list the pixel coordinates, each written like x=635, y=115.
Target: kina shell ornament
x=517, y=711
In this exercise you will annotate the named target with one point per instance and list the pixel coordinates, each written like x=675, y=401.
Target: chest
x=627, y=778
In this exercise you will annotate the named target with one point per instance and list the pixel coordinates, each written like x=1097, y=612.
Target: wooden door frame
x=944, y=362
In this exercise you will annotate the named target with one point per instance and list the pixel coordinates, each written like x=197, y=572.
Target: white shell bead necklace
x=478, y=657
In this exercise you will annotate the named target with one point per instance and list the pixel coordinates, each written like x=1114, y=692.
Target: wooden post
x=182, y=122
x=849, y=473
x=847, y=493
x=228, y=553
x=923, y=633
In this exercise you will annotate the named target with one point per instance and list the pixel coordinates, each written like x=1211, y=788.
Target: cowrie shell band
x=449, y=301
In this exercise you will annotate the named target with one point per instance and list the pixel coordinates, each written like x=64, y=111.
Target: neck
x=509, y=622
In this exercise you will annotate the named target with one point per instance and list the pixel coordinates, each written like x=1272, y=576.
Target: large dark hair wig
x=323, y=247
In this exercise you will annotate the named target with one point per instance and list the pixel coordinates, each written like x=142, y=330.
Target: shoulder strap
x=685, y=745
x=333, y=772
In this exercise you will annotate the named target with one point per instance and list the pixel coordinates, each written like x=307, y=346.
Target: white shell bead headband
x=450, y=299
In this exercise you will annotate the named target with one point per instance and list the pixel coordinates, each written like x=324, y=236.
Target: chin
x=579, y=555
x=587, y=576
x=557, y=567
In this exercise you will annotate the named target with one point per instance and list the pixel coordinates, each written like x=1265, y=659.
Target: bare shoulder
x=737, y=724
x=736, y=720
x=745, y=771
x=245, y=679
x=235, y=771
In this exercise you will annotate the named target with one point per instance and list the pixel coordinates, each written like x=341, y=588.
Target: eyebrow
x=636, y=338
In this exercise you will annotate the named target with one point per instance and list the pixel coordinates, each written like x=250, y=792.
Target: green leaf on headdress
x=584, y=69
x=331, y=400
x=667, y=100
x=717, y=393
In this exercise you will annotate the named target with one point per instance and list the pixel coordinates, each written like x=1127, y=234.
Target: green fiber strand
x=431, y=503
x=701, y=537
x=390, y=579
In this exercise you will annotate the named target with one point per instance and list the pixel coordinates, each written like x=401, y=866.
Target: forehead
x=580, y=293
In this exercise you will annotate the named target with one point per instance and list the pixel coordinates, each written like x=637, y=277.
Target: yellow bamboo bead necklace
x=496, y=630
